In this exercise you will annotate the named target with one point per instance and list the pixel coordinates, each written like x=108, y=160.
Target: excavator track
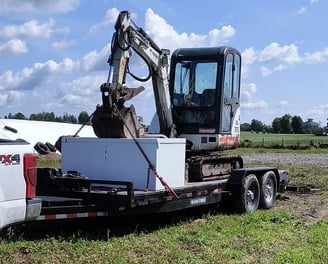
x=208, y=167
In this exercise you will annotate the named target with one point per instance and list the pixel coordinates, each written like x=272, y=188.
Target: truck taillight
x=30, y=175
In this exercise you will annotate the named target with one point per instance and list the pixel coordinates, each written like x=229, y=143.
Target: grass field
x=249, y=139
x=265, y=236
x=274, y=236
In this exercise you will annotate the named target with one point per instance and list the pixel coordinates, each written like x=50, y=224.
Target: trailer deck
x=76, y=196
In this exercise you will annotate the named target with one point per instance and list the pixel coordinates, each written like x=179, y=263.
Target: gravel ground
x=286, y=158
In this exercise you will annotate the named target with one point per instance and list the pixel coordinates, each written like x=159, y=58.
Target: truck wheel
x=250, y=195
x=268, y=190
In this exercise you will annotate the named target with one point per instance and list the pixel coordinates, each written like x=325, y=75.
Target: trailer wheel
x=268, y=190
x=250, y=195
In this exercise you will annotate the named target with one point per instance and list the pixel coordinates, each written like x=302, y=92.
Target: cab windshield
x=195, y=91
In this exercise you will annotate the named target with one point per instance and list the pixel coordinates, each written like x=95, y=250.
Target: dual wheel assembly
x=44, y=148
x=257, y=192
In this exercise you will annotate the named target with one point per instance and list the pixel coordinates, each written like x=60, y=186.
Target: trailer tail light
x=30, y=175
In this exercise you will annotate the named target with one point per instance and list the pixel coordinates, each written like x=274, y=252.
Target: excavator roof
x=203, y=52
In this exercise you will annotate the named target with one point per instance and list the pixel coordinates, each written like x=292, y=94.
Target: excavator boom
x=112, y=118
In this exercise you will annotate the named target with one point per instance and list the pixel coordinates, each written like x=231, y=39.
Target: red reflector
x=30, y=175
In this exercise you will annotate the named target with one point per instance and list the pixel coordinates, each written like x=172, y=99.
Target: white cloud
x=83, y=87
x=274, y=58
x=109, y=19
x=248, y=58
x=317, y=57
x=162, y=33
x=248, y=90
x=80, y=93
x=37, y=6
x=29, y=78
x=94, y=60
x=11, y=99
x=3, y=99
x=63, y=44
x=260, y=104
x=15, y=98
x=14, y=46
x=31, y=29
x=319, y=113
x=267, y=71
x=248, y=100
x=301, y=11
x=166, y=37
x=283, y=103
x=287, y=53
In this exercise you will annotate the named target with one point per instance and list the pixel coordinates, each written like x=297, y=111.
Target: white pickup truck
x=18, y=175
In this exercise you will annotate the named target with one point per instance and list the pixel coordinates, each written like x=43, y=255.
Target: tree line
x=83, y=117
x=285, y=124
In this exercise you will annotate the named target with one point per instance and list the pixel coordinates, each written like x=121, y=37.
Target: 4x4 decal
x=10, y=159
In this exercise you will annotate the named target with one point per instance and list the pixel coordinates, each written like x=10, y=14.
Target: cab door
x=231, y=92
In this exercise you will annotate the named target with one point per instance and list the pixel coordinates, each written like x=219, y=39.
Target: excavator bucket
x=122, y=123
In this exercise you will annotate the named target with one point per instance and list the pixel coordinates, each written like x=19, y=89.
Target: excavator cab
x=205, y=92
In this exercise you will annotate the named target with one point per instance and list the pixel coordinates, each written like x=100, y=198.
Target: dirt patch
x=308, y=207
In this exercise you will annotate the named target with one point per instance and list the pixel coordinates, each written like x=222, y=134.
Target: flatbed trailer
x=72, y=196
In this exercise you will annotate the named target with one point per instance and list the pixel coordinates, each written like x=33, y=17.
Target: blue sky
x=53, y=54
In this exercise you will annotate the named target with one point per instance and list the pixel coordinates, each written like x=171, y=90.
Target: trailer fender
x=238, y=175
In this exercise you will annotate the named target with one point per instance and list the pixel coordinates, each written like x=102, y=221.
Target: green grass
x=265, y=236
x=250, y=139
x=312, y=175
x=274, y=236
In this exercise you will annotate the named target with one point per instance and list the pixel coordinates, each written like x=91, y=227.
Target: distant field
x=249, y=139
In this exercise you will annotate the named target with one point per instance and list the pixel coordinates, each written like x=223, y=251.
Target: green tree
x=245, y=127
x=285, y=124
x=49, y=116
x=33, y=117
x=257, y=125
x=83, y=118
x=276, y=125
x=18, y=115
x=297, y=125
x=67, y=118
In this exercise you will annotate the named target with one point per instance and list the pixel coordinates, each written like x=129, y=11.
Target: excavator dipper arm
x=112, y=118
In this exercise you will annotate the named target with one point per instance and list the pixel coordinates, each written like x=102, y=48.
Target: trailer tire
x=249, y=196
x=51, y=147
x=41, y=148
x=268, y=195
